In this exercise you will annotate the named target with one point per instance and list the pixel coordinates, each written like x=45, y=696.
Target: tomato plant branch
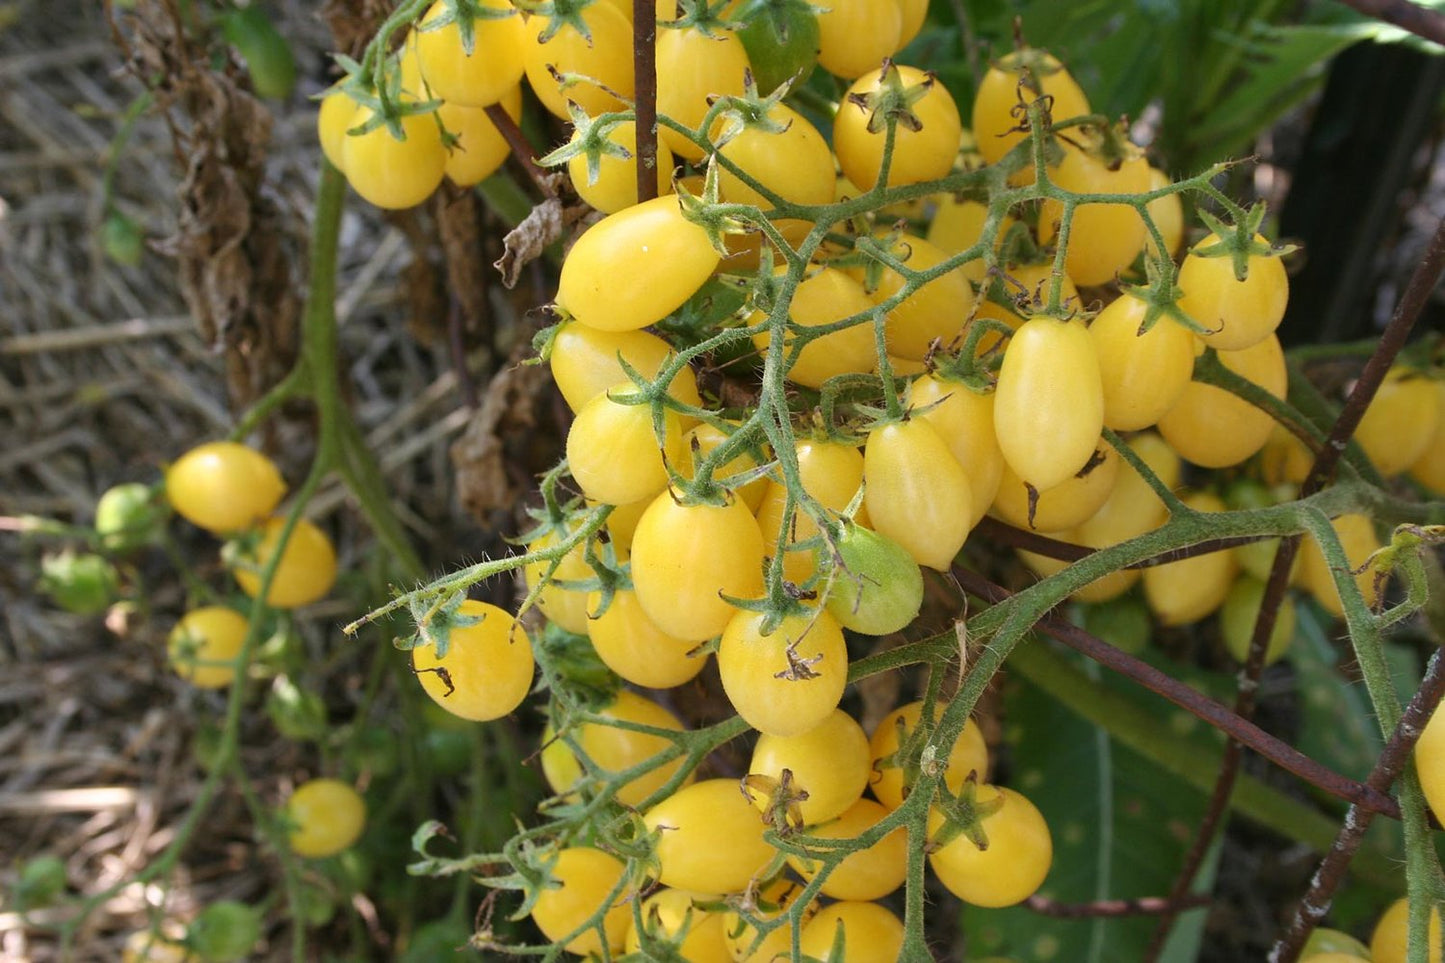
x=1407, y=312
x=1315, y=903
x=644, y=72
x=1276, y=750
x=521, y=149
x=1137, y=727
x=1420, y=21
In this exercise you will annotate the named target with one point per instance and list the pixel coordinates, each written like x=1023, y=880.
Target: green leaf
x=1336, y=726
x=1120, y=825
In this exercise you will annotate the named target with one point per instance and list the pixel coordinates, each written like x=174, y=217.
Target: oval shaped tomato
x=890, y=780
x=394, y=173
x=874, y=586
x=782, y=40
x=700, y=442
x=1239, y=613
x=1104, y=239
x=615, y=186
x=1400, y=421
x=825, y=296
x=1015, y=79
x=919, y=155
x=685, y=558
x=1143, y=374
x=916, y=492
x=956, y=226
x=871, y=934
x=1167, y=213
x=489, y=72
x=1430, y=761
x=794, y=162
x=613, y=451
x=675, y=916
x=788, y=682
x=1357, y=537
x=830, y=762
x=306, y=572
x=1391, y=935
x=1238, y=313
x=487, y=669
x=613, y=749
x=223, y=486
x=324, y=817
x=586, y=878
x=1216, y=429
x=870, y=873
x=603, y=57
x=1066, y=504
x=698, y=68
x=564, y=605
x=480, y=149
x=333, y=120
x=630, y=644
x=936, y=311
x=586, y=361
x=832, y=473
x=710, y=838
x=1048, y=407
x=963, y=418
x=128, y=516
x=1192, y=588
x=855, y=35
x=635, y=267
x=204, y=645
x=1012, y=868
x=1429, y=468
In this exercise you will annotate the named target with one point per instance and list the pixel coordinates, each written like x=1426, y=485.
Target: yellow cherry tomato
x=969, y=754
x=613, y=749
x=1067, y=504
x=1216, y=429
x=223, y=486
x=788, y=682
x=710, y=838
x=603, y=57
x=685, y=558
x=963, y=418
x=916, y=492
x=307, y=569
x=870, y=873
x=1400, y=421
x=1190, y=589
x=635, y=267
x=830, y=762
x=615, y=186
x=698, y=67
x=924, y=154
x=480, y=149
x=613, y=451
x=825, y=296
x=1104, y=239
x=1048, y=407
x=1238, y=313
x=204, y=645
x=324, y=817
x=936, y=311
x=487, y=669
x=587, y=877
x=631, y=645
x=1013, y=866
x=1014, y=79
x=1143, y=375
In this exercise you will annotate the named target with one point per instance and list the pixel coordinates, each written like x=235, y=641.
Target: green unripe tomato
x=268, y=56
x=128, y=516
x=1237, y=616
x=878, y=587
x=226, y=930
x=82, y=584
x=41, y=880
x=781, y=38
x=1333, y=941
x=1123, y=622
x=121, y=239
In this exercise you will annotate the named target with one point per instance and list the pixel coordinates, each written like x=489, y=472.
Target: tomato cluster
x=800, y=376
